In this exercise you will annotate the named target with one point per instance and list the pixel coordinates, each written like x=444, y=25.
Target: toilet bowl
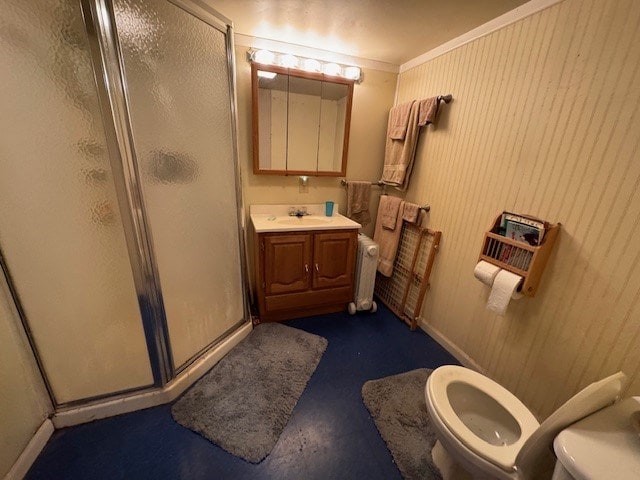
x=485, y=431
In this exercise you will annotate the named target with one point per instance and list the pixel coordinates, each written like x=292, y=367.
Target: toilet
x=485, y=432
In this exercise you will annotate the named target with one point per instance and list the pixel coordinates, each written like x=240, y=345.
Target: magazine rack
x=520, y=258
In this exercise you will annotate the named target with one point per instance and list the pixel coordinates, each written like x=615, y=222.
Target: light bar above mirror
x=304, y=64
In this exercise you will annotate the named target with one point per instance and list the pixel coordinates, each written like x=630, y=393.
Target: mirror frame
x=256, y=133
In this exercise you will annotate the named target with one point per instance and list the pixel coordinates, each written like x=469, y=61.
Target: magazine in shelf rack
x=518, y=256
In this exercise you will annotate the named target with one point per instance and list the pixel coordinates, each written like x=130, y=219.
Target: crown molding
x=512, y=16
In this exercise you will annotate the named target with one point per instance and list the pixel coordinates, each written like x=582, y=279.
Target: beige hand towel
x=358, y=194
x=388, y=211
x=388, y=240
x=428, y=111
x=399, y=154
x=399, y=120
x=410, y=213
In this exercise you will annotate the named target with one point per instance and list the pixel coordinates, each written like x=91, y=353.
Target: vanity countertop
x=275, y=218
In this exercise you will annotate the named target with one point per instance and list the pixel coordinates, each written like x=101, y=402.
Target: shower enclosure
x=121, y=222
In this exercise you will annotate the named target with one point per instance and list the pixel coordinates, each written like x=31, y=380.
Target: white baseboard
x=449, y=346
x=31, y=452
x=139, y=401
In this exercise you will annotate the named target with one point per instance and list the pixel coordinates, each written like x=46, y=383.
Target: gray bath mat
x=399, y=410
x=244, y=402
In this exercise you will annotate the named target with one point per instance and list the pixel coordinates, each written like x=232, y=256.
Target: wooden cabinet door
x=287, y=262
x=334, y=259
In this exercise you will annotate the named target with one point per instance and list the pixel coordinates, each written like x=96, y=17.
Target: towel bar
x=380, y=183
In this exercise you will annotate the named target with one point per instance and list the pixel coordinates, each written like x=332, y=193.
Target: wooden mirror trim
x=254, y=118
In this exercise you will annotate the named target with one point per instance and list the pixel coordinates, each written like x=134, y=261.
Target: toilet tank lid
x=603, y=445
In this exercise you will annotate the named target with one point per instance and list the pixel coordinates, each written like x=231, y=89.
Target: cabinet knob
x=306, y=268
x=317, y=268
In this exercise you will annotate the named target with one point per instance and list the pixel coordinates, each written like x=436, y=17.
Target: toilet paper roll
x=504, y=287
x=486, y=272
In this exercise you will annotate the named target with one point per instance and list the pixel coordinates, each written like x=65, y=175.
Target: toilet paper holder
x=528, y=261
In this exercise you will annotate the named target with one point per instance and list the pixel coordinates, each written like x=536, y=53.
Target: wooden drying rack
x=520, y=258
x=404, y=292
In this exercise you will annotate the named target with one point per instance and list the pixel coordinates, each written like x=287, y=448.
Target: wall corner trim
x=449, y=346
x=31, y=451
x=526, y=10
x=140, y=401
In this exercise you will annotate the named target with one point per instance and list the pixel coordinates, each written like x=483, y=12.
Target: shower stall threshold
x=110, y=407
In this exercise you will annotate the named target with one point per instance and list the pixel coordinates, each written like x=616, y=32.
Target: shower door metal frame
x=112, y=88
x=160, y=374
x=107, y=63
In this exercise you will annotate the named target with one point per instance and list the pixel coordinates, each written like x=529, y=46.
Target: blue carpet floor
x=330, y=434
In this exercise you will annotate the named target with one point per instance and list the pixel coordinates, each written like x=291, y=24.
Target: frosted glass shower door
x=180, y=106
x=60, y=227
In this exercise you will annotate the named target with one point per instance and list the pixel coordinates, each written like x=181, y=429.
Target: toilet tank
x=602, y=446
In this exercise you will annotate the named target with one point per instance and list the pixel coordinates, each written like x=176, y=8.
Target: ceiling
x=390, y=31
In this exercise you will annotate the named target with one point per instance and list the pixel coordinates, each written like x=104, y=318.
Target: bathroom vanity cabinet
x=304, y=273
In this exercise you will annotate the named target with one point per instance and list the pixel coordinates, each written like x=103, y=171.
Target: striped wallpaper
x=544, y=121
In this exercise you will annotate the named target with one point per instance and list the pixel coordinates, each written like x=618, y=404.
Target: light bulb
x=311, y=65
x=331, y=69
x=263, y=56
x=352, y=73
x=288, y=61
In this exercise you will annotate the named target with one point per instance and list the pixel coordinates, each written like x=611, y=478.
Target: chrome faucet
x=298, y=212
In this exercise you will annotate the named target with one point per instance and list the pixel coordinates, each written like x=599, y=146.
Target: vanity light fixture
x=286, y=60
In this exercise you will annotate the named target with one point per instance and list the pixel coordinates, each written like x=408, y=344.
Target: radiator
x=366, y=266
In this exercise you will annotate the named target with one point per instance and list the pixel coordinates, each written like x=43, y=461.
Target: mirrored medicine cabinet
x=300, y=122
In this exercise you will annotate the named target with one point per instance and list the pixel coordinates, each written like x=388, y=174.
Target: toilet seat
x=501, y=456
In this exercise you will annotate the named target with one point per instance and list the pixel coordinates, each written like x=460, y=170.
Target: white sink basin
x=275, y=218
x=309, y=220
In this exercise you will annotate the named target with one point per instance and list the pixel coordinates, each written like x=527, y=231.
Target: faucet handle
x=303, y=210
x=292, y=211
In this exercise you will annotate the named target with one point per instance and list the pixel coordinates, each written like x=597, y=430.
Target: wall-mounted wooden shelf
x=520, y=258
